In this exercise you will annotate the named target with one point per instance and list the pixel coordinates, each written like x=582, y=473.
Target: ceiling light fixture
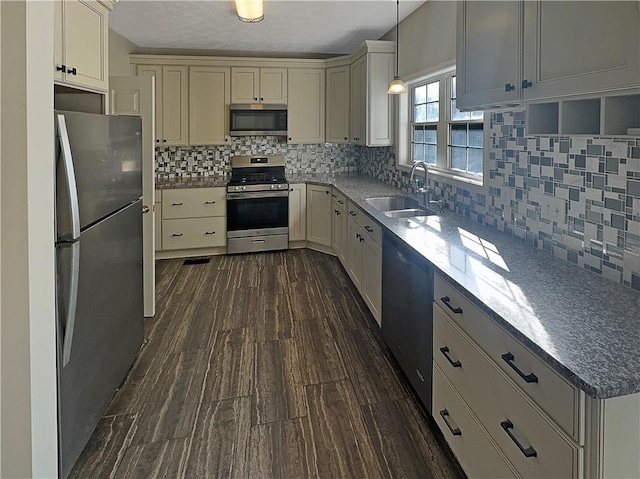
x=250, y=11
x=396, y=86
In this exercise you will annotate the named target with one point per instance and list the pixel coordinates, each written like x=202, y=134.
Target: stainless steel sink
x=408, y=213
x=392, y=203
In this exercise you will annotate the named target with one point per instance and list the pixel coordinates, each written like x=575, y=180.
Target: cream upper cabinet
x=568, y=48
x=337, y=101
x=209, y=96
x=372, y=116
x=580, y=47
x=319, y=215
x=81, y=44
x=259, y=85
x=356, y=100
x=172, y=103
x=298, y=212
x=306, y=111
x=488, y=59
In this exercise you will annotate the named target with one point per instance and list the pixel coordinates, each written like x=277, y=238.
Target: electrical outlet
x=554, y=209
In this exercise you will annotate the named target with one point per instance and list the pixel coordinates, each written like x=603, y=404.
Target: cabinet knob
x=261, y=99
x=509, y=87
x=326, y=192
x=61, y=68
x=346, y=138
x=157, y=140
x=526, y=84
x=164, y=141
x=72, y=71
x=255, y=98
x=289, y=138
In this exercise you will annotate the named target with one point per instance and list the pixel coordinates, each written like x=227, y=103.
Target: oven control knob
x=273, y=187
x=244, y=188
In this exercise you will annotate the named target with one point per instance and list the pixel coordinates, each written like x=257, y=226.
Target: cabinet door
x=209, y=96
x=338, y=231
x=297, y=212
x=355, y=264
x=174, y=105
x=488, y=45
x=337, y=128
x=85, y=43
x=580, y=47
x=319, y=215
x=58, y=54
x=372, y=278
x=355, y=103
x=158, y=225
x=378, y=109
x=156, y=72
x=306, y=106
x=245, y=85
x=273, y=86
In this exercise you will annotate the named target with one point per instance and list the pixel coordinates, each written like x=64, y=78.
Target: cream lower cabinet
x=158, y=220
x=340, y=225
x=529, y=421
x=194, y=218
x=319, y=215
x=209, y=97
x=364, y=260
x=297, y=212
x=81, y=44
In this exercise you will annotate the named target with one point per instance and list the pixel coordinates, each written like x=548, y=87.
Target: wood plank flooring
x=263, y=366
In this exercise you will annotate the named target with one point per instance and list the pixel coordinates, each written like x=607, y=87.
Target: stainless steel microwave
x=257, y=119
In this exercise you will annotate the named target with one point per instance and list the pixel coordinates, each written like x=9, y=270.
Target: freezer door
x=108, y=327
x=106, y=152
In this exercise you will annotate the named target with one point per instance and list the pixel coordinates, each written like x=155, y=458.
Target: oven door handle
x=257, y=194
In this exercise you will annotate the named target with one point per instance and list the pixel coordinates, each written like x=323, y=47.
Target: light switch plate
x=554, y=209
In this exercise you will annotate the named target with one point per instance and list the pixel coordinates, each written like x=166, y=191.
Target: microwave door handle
x=69, y=178
x=72, y=302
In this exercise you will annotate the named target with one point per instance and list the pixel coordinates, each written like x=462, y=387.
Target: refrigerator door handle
x=70, y=178
x=72, y=302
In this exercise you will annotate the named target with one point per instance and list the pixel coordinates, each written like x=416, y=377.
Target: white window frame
x=404, y=134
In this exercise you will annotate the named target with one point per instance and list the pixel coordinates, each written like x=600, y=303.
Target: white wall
x=427, y=37
x=28, y=425
x=119, y=49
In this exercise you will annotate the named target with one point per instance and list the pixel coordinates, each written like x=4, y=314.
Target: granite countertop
x=584, y=326
x=201, y=182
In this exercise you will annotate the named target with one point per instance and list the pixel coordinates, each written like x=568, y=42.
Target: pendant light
x=250, y=11
x=397, y=86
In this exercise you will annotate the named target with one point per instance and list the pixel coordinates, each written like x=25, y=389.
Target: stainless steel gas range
x=257, y=204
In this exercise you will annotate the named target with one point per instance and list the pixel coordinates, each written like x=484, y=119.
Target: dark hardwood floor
x=263, y=366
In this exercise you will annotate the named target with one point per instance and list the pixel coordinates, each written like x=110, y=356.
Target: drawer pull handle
x=445, y=352
x=333, y=196
x=337, y=212
x=352, y=213
x=177, y=204
x=177, y=234
x=530, y=378
x=445, y=300
x=259, y=241
x=444, y=414
x=209, y=232
x=340, y=202
x=527, y=451
x=369, y=229
x=209, y=202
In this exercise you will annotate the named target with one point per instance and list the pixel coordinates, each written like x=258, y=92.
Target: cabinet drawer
x=476, y=452
x=194, y=233
x=339, y=199
x=525, y=435
x=194, y=203
x=551, y=392
x=372, y=228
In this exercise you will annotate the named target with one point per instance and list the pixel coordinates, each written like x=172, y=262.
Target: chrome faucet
x=424, y=190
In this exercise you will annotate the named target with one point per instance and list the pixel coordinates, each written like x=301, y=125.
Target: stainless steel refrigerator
x=98, y=267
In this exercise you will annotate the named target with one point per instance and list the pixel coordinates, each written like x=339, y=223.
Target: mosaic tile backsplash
x=201, y=161
x=597, y=179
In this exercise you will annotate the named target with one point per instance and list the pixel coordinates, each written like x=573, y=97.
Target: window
x=448, y=140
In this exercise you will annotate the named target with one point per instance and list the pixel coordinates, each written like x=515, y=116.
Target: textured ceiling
x=303, y=26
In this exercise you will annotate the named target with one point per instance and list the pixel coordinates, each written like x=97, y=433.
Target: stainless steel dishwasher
x=407, y=313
